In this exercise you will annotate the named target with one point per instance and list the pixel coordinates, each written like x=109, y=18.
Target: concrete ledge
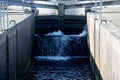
x=109, y=52
x=104, y=41
x=15, y=49
x=24, y=37
x=12, y=52
x=3, y=63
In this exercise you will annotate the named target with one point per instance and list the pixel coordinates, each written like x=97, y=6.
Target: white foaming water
x=59, y=46
x=36, y=35
x=64, y=42
x=54, y=58
x=58, y=33
x=82, y=34
x=58, y=58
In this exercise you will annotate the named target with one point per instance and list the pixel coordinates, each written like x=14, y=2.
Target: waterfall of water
x=57, y=44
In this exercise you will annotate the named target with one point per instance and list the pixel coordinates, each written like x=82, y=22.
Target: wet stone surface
x=71, y=69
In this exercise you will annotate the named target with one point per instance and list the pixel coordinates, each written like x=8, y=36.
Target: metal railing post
x=0, y=16
x=3, y=15
x=100, y=17
x=23, y=1
x=96, y=10
x=100, y=10
x=91, y=1
x=61, y=13
x=61, y=9
x=7, y=14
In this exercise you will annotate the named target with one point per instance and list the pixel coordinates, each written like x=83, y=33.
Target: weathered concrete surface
x=109, y=52
x=3, y=64
x=91, y=37
x=15, y=46
x=106, y=40
x=12, y=53
x=24, y=41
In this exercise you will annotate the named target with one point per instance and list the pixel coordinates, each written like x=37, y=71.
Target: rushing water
x=59, y=44
x=60, y=57
x=71, y=69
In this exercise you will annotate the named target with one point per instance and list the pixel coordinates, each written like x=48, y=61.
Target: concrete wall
x=12, y=53
x=24, y=45
x=104, y=44
x=3, y=64
x=15, y=49
x=90, y=25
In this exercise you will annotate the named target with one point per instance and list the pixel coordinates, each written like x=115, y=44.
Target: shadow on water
x=60, y=57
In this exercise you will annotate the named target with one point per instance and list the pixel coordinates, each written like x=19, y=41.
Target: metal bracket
x=105, y=21
x=12, y=22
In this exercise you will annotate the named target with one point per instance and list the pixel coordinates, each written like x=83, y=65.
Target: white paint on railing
x=3, y=15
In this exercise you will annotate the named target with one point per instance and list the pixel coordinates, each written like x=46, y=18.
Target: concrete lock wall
x=12, y=53
x=3, y=64
x=104, y=41
x=24, y=39
x=15, y=49
x=90, y=23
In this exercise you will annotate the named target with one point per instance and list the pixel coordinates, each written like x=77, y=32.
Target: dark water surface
x=60, y=57
x=60, y=69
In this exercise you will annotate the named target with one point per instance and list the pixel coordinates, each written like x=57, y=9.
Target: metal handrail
x=2, y=14
x=100, y=13
x=55, y=5
x=98, y=9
